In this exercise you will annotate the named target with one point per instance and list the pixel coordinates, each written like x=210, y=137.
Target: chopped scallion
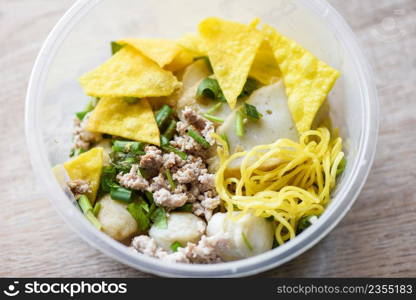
x=163, y=116
x=239, y=124
x=170, y=180
x=115, y=47
x=246, y=241
x=128, y=146
x=121, y=194
x=341, y=166
x=174, y=247
x=87, y=209
x=198, y=138
x=213, y=118
x=214, y=108
x=251, y=112
x=170, y=130
x=169, y=148
x=96, y=208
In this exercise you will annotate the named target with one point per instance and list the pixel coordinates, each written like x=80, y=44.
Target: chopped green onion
x=115, y=47
x=169, y=148
x=164, y=141
x=251, y=112
x=159, y=218
x=246, y=241
x=214, y=108
x=249, y=87
x=175, y=246
x=341, y=166
x=213, y=118
x=76, y=152
x=185, y=208
x=131, y=100
x=84, y=203
x=121, y=194
x=87, y=209
x=210, y=88
x=128, y=146
x=163, y=115
x=305, y=222
x=144, y=173
x=239, y=125
x=93, y=220
x=139, y=211
x=170, y=180
x=81, y=115
x=170, y=130
x=225, y=138
x=96, y=208
x=198, y=138
x=90, y=106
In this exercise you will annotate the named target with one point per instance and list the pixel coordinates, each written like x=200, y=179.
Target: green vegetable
x=185, y=208
x=198, y=138
x=96, y=208
x=239, y=125
x=214, y=108
x=213, y=118
x=139, y=210
x=169, y=148
x=115, y=47
x=159, y=218
x=304, y=223
x=175, y=246
x=149, y=197
x=76, y=152
x=123, y=161
x=87, y=209
x=341, y=166
x=249, y=87
x=163, y=115
x=225, y=138
x=90, y=106
x=246, y=241
x=251, y=112
x=128, y=146
x=170, y=180
x=210, y=88
x=131, y=100
x=170, y=130
x=121, y=194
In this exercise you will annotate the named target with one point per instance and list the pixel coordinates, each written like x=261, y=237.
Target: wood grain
x=376, y=238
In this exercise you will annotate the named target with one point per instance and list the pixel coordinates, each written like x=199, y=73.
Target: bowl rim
x=342, y=202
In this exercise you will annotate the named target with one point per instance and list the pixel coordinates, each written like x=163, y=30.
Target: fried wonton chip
x=87, y=166
x=307, y=79
x=167, y=54
x=134, y=121
x=194, y=43
x=128, y=73
x=265, y=68
x=231, y=49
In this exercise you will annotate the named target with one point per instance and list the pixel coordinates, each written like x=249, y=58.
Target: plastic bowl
x=80, y=41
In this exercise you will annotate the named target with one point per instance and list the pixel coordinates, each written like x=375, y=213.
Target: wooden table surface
x=376, y=238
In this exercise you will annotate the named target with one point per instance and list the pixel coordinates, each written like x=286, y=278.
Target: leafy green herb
x=246, y=241
x=159, y=218
x=185, y=208
x=140, y=212
x=170, y=180
x=304, y=223
x=128, y=146
x=175, y=246
x=115, y=47
x=121, y=194
x=251, y=112
x=341, y=166
x=198, y=138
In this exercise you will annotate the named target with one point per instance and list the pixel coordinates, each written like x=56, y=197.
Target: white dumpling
x=276, y=123
x=116, y=221
x=182, y=227
x=258, y=233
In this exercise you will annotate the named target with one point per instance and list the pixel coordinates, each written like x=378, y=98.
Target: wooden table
x=376, y=238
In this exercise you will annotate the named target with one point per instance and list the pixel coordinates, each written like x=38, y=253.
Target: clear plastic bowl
x=80, y=41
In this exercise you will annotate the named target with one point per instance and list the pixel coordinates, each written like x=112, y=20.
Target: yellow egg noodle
x=299, y=185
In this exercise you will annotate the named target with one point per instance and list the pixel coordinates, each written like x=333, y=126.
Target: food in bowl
x=212, y=148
